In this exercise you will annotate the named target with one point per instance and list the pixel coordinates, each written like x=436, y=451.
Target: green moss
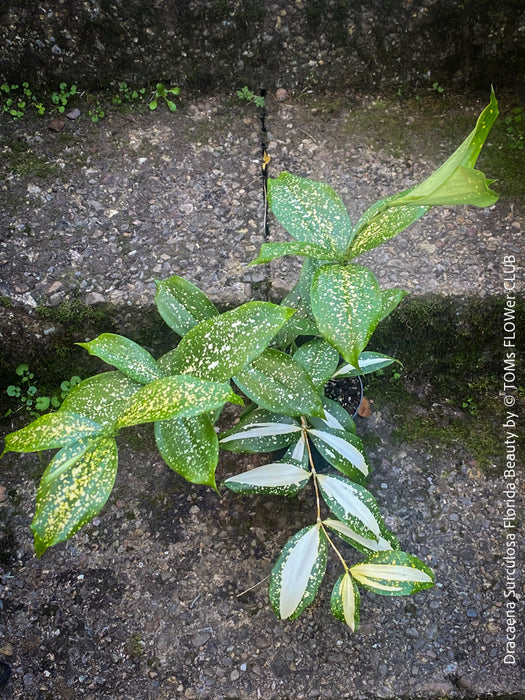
x=18, y=158
x=448, y=392
x=74, y=312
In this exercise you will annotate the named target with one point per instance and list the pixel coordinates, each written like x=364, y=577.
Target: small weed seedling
x=18, y=98
x=280, y=357
x=166, y=94
x=60, y=98
x=27, y=392
x=248, y=95
x=127, y=94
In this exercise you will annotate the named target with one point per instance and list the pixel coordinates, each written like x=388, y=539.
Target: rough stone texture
x=210, y=44
x=145, y=602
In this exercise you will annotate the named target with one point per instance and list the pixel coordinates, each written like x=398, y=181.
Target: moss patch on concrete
x=448, y=390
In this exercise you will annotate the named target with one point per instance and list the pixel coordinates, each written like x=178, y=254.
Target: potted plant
x=280, y=357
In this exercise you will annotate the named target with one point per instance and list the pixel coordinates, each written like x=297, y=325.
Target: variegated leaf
x=175, y=397
x=320, y=360
x=126, y=355
x=101, y=397
x=182, y=305
x=352, y=504
x=391, y=298
x=278, y=478
x=347, y=303
x=335, y=416
x=271, y=251
x=298, y=572
x=261, y=431
x=368, y=362
x=51, y=431
x=275, y=381
x=345, y=601
x=311, y=212
x=220, y=347
x=75, y=495
x=343, y=450
x=381, y=222
x=190, y=447
x=393, y=573
x=363, y=544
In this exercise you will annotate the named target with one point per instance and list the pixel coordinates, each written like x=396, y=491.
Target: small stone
x=95, y=298
x=472, y=612
x=3, y=497
x=200, y=638
x=281, y=94
x=235, y=675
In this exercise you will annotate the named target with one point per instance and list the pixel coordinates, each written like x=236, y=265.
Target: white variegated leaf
x=393, y=573
x=276, y=478
x=368, y=362
x=262, y=430
x=364, y=544
x=298, y=572
x=352, y=504
x=345, y=448
x=345, y=601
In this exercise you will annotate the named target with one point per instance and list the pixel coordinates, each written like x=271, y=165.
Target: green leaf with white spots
x=182, y=305
x=51, y=431
x=368, y=362
x=335, y=416
x=298, y=572
x=391, y=298
x=271, y=251
x=456, y=181
x=299, y=297
x=311, y=212
x=261, y=431
x=345, y=601
x=302, y=322
x=101, y=397
x=190, y=447
x=381, y=222
x=275, y=381
x=126, y=355
x=75, y=494
x=393, y=573
x=220, y=347
x=347, y=304
x=363, y=544
x=352, y=504
x=320, y=360
x=175, y=397
x=276, y=479
x=65, y=458
x=343, y=450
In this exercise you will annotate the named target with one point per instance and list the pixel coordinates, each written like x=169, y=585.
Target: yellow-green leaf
x=75, y=495
x=345, y=601
x=51, y=431
x=393, y=573
x=175, y=397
